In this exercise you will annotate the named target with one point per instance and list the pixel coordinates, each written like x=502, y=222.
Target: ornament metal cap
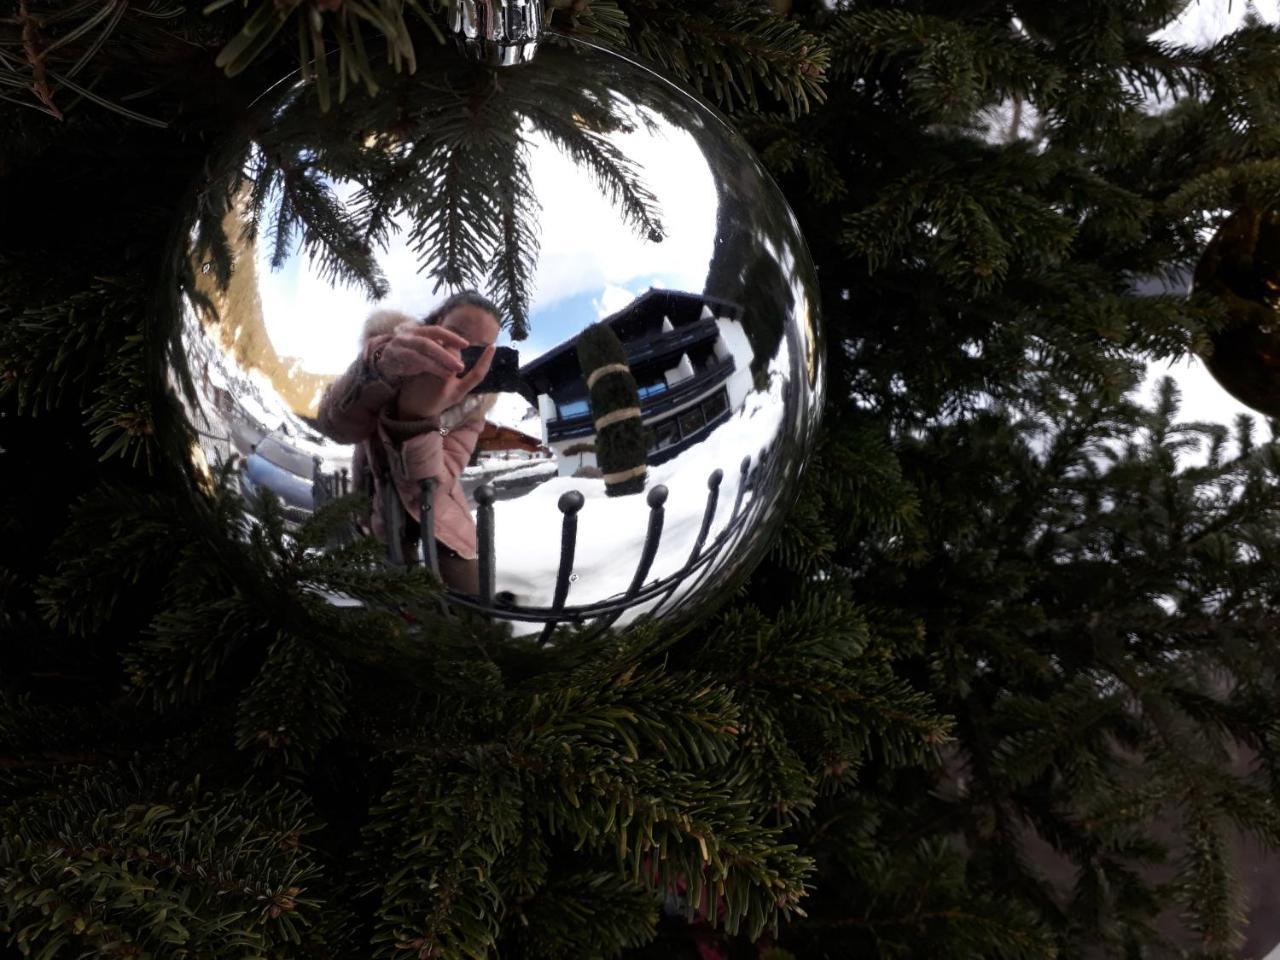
x=501, y=33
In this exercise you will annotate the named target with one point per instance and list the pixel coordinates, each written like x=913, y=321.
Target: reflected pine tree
x=753, y=234
x=443, y=156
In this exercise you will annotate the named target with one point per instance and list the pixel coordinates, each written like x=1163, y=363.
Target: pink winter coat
x=358, y=410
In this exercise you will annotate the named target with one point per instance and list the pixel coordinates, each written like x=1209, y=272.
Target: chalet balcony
x=682, y=393
x=671, y=343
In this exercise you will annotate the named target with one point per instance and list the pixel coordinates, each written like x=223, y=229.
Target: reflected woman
x=408, y=404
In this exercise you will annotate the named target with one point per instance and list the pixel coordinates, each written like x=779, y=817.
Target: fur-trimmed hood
x=384, y=321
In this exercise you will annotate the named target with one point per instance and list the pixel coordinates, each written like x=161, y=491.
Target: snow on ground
x=517, y=470
x=611, y=530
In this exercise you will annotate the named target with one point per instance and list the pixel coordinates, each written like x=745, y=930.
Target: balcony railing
x=663, y=454
x=568, y=428
x=675, y=341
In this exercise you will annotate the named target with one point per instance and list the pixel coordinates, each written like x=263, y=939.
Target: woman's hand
x=427, y=395
x=418, y=350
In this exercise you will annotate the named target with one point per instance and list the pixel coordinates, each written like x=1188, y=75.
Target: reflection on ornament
x=204, y=477
x=501, y=33
x=1241, y=266
x=578, y=189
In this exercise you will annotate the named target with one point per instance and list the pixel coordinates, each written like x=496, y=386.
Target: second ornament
x=1241, y=267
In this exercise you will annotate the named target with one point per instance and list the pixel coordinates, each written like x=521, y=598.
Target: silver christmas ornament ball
x=635, y=440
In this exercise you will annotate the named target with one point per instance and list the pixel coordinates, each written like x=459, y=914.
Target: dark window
x=691, y=421
x=665, y=434
x=704, y=358
x=573, y=408
x=715, y=405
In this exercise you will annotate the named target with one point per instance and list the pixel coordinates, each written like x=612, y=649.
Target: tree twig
x=33, y=47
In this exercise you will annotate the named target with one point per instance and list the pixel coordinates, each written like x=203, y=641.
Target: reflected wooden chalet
x=682, y=351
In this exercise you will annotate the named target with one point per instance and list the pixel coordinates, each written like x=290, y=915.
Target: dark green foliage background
x=1006, y=685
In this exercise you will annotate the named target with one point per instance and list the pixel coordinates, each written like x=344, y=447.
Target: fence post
x=427, y=523
x=393, y=521
x=713, y=498
x=656, y=497
x=742, y=485
x=657, y=514
x=569, y=503
x=320, y=493
x=484, y=536
x=708, y=515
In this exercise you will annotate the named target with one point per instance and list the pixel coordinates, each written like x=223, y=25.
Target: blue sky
x=591, y=262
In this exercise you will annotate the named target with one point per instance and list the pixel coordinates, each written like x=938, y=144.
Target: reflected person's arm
x=350, y=406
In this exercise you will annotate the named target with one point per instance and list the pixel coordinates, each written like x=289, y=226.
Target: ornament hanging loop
x=501, y=33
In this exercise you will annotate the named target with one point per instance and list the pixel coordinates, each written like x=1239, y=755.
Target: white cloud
x=585, y=245
x=1204, y=22
x=586, y=250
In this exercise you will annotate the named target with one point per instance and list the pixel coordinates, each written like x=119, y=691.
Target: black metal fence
x=704, y=560
x=328, y=486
